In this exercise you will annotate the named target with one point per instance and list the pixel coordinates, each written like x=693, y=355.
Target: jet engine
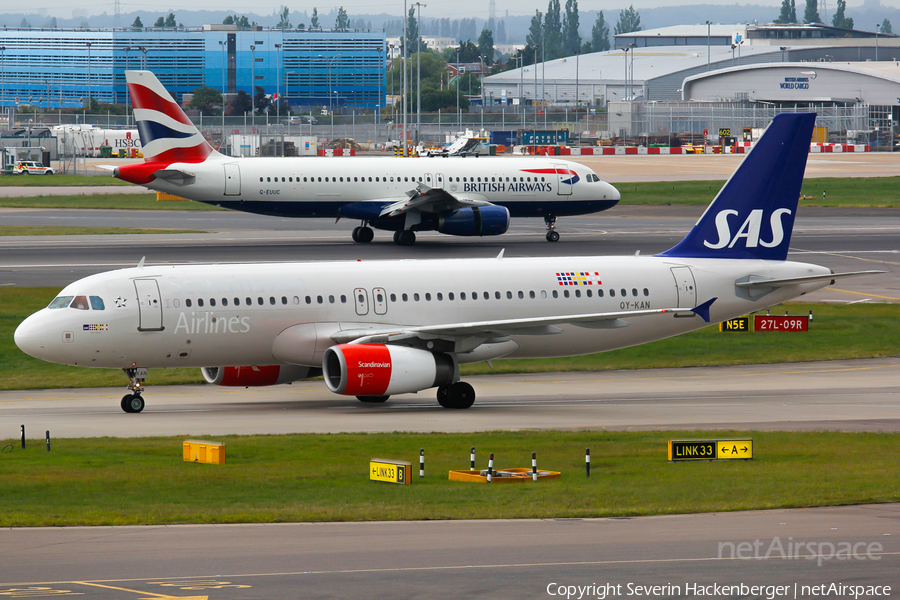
x=372, y=370
x=256, y=376
x=483, y=220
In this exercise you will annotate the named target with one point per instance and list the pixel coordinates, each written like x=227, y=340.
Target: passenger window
x=259, y=300
x=80, y=303
x=343, y=299
x=284, y=299
x=427, y=297
x=319, y=300
x=600, y=293
x=589, y=293
x=544, y=294
x=578, y=293
x=531, y=294
x=474, y=295
x=508, y=295
x=269, y=179
x=212, y=301
x=416, y=296
x=404, y=297
x=187, y=302
x=176, y=303
x=462, y=295
x=282, y=180
x=199, y=301
x=646, y=292
x=97, y=303
x=566, y=293
x=237, y=301
x=521, y=295
x=612, y=293
x=330, y=299
x=555, y=294
x=272, y=300
x=260, y=179
x=450, y=296
x=224, y=301
x=634, y=291
x=379, y=298
x=497, y=295
x=393, y=297
x=61, y=302
x=249, y=301
x=308, y=300
x=624, y=293
x=296, y=300
x=440, y=296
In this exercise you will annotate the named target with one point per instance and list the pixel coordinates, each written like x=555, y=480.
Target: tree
x=885, y=27
x=25, y=24
x=552, y=31
x=811, y=14
x=240, y=105
x=138, y=24
x=260, y=101
x=501, y=32
x=839, y=20
x=468, y=52
x=160, y=22
x=486, y=46
x=207, y=100
x=342, y=23
x=314, y=19
x=571, y=40
x=284, y=21
x=629, y=20
x=51, y=24
x=412, y=33
x=600, y=34
x=229, y=20
x=170, y=20
x=793, y=12
x=534, y=30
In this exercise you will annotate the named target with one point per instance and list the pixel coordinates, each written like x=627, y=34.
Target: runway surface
x=687, y=555
x=841, y=239
x=852, y=395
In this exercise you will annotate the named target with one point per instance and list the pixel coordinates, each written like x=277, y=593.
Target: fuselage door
x=232, y=179
x=685, y=286
x=361, y=299
x=149, y=304
x=564, y=176
x=379, y=301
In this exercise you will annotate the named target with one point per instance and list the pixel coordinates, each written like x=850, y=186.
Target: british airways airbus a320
x=453, y=196
x=377, y=328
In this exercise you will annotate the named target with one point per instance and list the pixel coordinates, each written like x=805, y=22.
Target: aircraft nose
x=611, y=192
x=30, y=336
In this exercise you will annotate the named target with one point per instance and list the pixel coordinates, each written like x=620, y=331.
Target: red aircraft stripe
x=144, y=97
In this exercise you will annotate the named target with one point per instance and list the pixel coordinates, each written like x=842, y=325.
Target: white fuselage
x=260, y=314
x=319, y=187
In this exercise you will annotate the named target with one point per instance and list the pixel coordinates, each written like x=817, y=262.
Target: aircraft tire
x=136, y=404
x=365, y=235
x=460, y=395
x=552, y=236
x=442, y=393
x=126, y=403
x=372, y=399
x=405, y=238
x=355, y=234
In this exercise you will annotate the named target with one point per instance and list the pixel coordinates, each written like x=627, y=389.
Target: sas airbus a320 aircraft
x=377, y=328
x=453, y=196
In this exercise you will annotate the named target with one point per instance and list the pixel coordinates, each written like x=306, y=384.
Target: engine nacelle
x=478, y=220
x=380, y=370
x=256, y=376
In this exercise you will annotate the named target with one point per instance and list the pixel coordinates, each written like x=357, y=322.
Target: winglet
x=141, y=264
x=703, y=309
x=501, y=253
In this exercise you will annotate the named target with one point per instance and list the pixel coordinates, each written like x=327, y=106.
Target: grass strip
x=837, y=332
x=19, y=230
x=61, y=180
x=103, y=201
x=860, y=192
x=144, y=481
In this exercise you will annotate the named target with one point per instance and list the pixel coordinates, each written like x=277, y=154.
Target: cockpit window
x=61, y=302
x=80, y=303
x=97, y=303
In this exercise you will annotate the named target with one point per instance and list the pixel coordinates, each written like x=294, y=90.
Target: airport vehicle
x=31, y=167
x=404, y=195
x=378, y=328
x=300, y=120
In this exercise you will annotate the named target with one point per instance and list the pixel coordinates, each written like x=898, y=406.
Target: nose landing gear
x=552, y=234
x=134, y=402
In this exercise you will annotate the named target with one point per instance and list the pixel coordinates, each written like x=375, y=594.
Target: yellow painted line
x=872, y=260
x=153, y=594
x=864, y=294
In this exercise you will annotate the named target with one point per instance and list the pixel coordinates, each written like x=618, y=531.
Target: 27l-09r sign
x=780, y=323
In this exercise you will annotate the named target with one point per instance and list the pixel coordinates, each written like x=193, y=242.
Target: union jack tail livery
x=167, y=135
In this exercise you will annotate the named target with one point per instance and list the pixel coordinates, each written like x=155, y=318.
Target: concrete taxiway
x=686, y=555
x=851, y=395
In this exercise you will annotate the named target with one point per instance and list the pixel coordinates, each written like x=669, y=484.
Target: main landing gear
x=552, y=234
x=405, y=237
x=456, y=395
x=362, y=234
x=134, y=402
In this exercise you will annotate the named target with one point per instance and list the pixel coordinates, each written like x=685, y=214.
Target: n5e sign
x=739, y=324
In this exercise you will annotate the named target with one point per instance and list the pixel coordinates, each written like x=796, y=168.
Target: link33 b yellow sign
x=391, y=471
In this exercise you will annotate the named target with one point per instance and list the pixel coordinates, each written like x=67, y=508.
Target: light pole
x=143, y=50
x=625, y=86
x=89, y=74
x=458, y=74
x=877, y=27
x=127, y=95
x=392, y=76
x=783, y=48
x=543, y=70
x=331, y=92
x=708, y=25
x=278, y=83
x=733, y=46
x=418, y=6
x=403, y=96
x=576, y=86
x=481, y=82
x=252, y=83
x=3, y=82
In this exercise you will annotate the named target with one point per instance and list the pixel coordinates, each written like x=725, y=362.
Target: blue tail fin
x=753, y=215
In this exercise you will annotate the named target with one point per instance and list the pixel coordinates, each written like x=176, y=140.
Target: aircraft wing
x=478, y=331
x=431, y=200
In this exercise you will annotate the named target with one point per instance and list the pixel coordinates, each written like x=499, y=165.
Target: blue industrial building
x=53, y=67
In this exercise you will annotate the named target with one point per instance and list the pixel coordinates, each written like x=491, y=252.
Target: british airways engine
x=455, y=196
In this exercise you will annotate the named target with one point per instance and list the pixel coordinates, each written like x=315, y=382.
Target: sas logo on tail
x=749, y=231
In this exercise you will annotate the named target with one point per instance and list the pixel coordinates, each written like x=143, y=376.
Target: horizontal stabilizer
x=775, y=283
x=175, y=175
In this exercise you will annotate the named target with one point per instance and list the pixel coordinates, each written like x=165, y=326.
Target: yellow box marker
x=391, y=471
x=739, y=324
x=734, y=449
x=212, y=453
x=163, y=197
x=502, y=476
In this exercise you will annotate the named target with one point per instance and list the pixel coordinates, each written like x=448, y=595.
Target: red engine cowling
x=256, y=376
x=379, y=370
